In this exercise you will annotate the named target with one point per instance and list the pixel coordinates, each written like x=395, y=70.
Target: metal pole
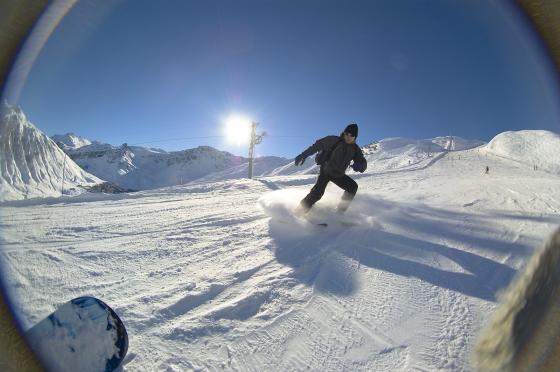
x=63, y=175
x=252, y=148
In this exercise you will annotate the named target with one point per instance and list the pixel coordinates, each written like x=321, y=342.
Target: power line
x=288, y=136
x=114, y=148
x=175, y=139
x=204, y=137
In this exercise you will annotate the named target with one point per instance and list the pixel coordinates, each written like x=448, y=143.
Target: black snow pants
x=346, y=183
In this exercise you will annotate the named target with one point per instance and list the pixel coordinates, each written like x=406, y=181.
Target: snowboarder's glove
x=300, y=159
x=359, y=166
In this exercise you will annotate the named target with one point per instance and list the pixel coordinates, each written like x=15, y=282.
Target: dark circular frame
x=19, y=17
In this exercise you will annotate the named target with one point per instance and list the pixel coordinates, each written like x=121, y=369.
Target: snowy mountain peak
x=71, y=141
x=141, y=168
x=31, y=164
x=15, y=115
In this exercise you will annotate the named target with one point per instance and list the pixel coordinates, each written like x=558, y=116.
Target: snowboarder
x=334, y=156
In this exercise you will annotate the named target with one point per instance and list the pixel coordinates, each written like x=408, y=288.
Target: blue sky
x=147, y=72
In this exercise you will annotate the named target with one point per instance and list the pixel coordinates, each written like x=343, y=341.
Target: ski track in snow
x=207, y=277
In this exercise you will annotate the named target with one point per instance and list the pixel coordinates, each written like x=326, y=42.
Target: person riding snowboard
x=334, y=156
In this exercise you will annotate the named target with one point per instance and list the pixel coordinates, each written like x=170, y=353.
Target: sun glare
x=238, y=129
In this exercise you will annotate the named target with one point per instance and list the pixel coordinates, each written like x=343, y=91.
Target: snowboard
x=322, y=223
x=83, y=334
x=341, y=223
x=307, y=222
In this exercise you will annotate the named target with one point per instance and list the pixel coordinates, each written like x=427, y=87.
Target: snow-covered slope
x=454, y=143
x=31, y=164
x=141, y=168
x=219, y=276
x=394, y=154
x=263, y=166
x=404, y=153
x=535, y=148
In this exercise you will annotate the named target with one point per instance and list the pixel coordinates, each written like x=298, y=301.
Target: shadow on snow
x=421, y=239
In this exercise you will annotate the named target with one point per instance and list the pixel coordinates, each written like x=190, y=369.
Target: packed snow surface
x=219, y=275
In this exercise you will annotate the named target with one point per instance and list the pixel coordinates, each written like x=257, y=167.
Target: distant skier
x=487, y=169
x=334, y=156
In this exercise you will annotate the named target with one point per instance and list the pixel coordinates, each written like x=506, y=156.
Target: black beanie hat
x=352, y=129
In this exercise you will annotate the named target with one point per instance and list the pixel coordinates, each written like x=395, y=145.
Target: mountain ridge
x=32, y=165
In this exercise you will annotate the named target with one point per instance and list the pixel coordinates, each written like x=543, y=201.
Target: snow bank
x=538, y=148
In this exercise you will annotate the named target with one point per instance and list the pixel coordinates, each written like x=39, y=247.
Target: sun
x=237, y=129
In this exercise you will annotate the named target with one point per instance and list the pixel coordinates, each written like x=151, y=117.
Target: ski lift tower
x=255, y=140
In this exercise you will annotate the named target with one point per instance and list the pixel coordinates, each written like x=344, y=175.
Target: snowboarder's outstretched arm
x=322, y=144
x=360, y=162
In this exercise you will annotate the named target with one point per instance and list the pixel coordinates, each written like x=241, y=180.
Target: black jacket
x=341, y=155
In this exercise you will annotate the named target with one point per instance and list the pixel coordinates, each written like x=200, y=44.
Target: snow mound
x=538, y=148
x=31, y=164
